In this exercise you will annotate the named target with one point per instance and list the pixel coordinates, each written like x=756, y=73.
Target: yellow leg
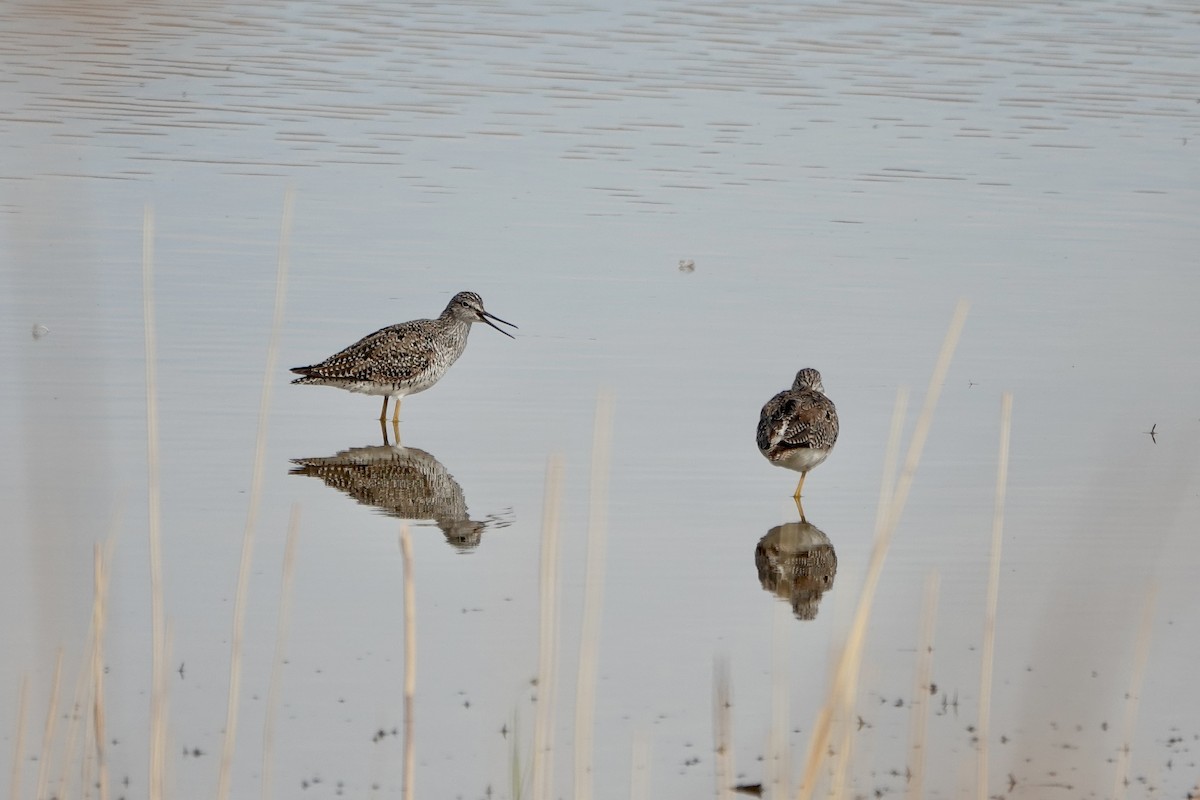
x=383, y=413
x=395, y=432
x=396, y=413
x=800, y=508
x=799, y=486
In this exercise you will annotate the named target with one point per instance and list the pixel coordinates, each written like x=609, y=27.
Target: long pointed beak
x=487, y=318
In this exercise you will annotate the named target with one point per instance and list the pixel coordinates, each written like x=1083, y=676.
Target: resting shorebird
x=799, y=426
x=403, y=359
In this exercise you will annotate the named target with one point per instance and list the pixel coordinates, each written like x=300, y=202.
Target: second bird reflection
x=797, y=563
x=402, y=482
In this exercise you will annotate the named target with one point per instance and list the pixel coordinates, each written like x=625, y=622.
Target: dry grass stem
x=99, y=620
x=14, y=779
x=887, y=485
x=593, y=597
x=723, y=729
x=281, y=633
x=243, y=583
x=845, y=679
x=1136, y=675
x=542, y=779
x=919, y=710
x=44, y=757
x=410, y=664
x=987, y=657
x=90, y=679
x=639, y=773
x=158, y=677
x=75, y=720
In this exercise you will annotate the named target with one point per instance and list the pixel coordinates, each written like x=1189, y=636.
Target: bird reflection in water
x=402, y=482
x=797, y=563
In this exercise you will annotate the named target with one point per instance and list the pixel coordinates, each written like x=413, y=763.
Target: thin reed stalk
x=410, y=664
x=987, y=657
x=1133, y=695
x=919, y=709
x=75, y=724
x=281, y=634
x=260, y=449
x=158, y=676
x=542, y=779
x=85, y=701
x=516, y=777
x=593, y=596
x=639, y=773
x=891, y=456
x=845, y=679
x=14, y=778
x=723, y=729
x=101, y=558
x=843, y=753
x=44, y=757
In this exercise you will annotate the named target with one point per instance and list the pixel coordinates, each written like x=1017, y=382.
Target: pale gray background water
x=840, y=175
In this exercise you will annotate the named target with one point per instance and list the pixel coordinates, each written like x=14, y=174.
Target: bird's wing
x=773, y=420
x=392, y=353
x=797, y=419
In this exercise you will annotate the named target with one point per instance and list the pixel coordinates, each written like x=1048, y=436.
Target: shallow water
x=839, y=176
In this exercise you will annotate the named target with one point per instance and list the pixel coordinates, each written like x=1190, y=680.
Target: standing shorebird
x=403, y=359
x=798, y=427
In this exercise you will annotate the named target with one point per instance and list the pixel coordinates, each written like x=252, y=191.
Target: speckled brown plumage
x=798, y=427
x=403, y=359
x=401, y=482
x=797, y=562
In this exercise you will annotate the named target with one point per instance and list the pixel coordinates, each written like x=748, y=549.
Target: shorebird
x=798, y=427
x=402, y=482
x=403, y=359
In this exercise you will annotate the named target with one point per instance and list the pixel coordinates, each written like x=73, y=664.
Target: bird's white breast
x=801, y=459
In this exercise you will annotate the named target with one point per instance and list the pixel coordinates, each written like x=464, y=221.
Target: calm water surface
x=839, y=175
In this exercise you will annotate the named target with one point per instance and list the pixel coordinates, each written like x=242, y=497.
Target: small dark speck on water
x=687, y=265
